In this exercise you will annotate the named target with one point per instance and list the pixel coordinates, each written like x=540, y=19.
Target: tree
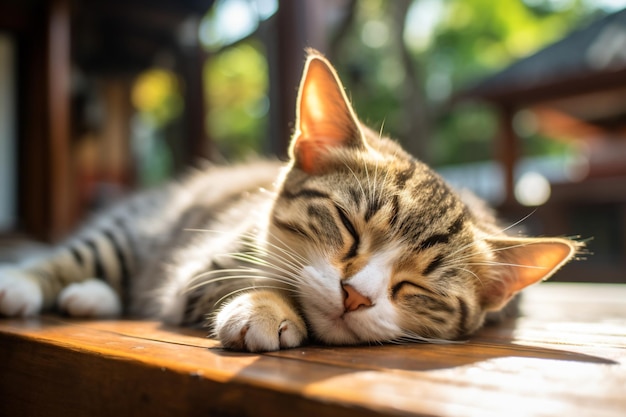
x=406, y=78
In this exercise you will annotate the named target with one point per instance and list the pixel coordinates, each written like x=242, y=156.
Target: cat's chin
x=335, y=332
x=349, y=328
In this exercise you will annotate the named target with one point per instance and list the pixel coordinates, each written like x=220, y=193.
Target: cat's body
x=353, y=241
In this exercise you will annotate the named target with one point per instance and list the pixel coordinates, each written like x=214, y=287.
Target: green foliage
x=461, y=41
x=156, y=95
x=236, y=91
x=369, y=65
x=476, y=37
x=464, y=135
x=452, y=43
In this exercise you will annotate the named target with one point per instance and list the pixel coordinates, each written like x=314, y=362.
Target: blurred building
x=573, y=90
x=69, y=72
x=66, y=71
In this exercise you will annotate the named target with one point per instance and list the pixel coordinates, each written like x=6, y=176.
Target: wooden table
x=565, y=357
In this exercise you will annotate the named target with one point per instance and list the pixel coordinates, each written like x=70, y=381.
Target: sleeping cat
x=353, y=241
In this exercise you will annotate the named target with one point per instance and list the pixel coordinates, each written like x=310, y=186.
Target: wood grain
x=565, y=356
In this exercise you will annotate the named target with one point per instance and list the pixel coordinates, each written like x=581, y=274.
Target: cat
x=352, y=241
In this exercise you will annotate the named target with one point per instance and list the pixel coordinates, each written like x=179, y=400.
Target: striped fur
x=353, y=241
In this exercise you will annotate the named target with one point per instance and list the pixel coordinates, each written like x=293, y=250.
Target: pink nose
x=353, y=300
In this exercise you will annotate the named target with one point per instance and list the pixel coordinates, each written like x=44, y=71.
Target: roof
x=118, y=36
x=588, y=59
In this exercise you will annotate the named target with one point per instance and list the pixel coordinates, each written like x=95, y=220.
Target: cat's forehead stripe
x=463, y=316
x=306, y=193
x=434, y=264
x=356, y=195
x=443, y=238
x=403, y=176
x=373, y=206
x=290, y=227
x=322, y=222
x=395, y=210
x=430, y=183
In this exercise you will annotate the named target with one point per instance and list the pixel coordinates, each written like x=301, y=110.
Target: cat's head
x=379, y=246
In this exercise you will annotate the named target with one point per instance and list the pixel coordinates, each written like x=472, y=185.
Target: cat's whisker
x=201, y=284
x=283, y=249
x=293, y=274
x=246, y=257
x=232, y=294
x=379, y=198
x=291, y=263
x=358, y=181
x=251, y=272
x=393, y=342
x=506, y=264
x=193, y=229
x=270, y=271
x=375, y=182
x=494, y=250
x=264, y=263
x=221, y=271
x=382, y=127
x=385, y=183
x=246, y=239
x=506, y=229
x=492, y=235
x=472, y=273
x=411, y=337
x=485, y=252
x=367, y=174
x=250, y=288
x=239, y=277
x=298, y=261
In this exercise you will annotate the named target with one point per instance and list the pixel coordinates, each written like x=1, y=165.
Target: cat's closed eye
x=347, y=224
x=403, y=287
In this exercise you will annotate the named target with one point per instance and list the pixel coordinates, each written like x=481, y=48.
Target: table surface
x=565, y=356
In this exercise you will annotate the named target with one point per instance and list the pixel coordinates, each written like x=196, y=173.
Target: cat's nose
x=353, y=300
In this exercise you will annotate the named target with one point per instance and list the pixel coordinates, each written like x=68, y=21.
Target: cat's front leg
x=260, y=321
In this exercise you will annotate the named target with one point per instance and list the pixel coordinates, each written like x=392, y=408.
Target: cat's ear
x=520, y=262
x=324, y=117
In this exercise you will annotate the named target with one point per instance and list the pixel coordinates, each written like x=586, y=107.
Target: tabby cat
x=353, y=241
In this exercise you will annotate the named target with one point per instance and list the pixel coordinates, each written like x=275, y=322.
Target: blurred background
x=522, y=101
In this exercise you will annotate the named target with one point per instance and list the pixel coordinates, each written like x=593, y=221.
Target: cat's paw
x=19, y=293
x=90, y=298
x=260, y=321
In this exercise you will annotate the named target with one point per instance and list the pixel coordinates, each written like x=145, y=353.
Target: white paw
x=90, y=298
x=19, y=294
x=259, y=322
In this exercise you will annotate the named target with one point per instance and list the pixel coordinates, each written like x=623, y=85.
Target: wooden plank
x=571, y=336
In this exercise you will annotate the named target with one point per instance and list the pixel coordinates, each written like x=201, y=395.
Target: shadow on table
x=492, y=342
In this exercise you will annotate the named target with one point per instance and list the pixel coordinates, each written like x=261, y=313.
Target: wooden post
x=58, y=63
x=285, y=72
x=299, y=25
x=114, y=146
x=198, y=143
x=507, y=149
